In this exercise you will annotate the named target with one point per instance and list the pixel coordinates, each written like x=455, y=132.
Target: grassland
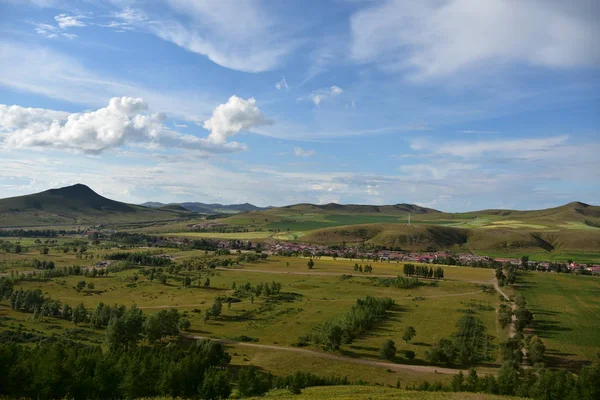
x=313, y=297
x=567, y=315
x=567, y=311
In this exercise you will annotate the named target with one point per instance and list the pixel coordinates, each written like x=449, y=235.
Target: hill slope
x=77, y=204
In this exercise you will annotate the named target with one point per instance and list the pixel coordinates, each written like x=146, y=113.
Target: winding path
x=329, y=356
x=513, y=330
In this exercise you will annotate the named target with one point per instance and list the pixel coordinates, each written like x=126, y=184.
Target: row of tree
x=359, y=319
x=246, y=289
x=360, y=268
x=469, y=344
x=536, y=383
x=140, y=258
x=399, y=282
x=421, y=271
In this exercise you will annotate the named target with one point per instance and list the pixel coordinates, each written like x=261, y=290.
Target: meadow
x=308, y=299
x=567, y=315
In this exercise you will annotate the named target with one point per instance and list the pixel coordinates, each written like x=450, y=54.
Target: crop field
x=567, y=314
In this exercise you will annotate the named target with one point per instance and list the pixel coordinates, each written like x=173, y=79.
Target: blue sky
x=452, y=104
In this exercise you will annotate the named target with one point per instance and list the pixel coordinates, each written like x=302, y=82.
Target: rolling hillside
x=424, y=237
x=77, y=204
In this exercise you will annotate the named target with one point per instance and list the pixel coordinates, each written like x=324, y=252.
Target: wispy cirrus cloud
x=434, y=39
x=242, y=36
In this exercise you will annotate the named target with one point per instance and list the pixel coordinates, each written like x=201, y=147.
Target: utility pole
x=408, y=219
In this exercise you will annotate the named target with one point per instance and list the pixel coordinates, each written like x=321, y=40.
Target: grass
x=283, y=363
x=319, y=297
x=567, y=314
x=218, y=235
x=375, y=393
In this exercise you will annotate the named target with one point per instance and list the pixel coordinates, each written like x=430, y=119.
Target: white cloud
x=322, y=94
x=282, y=84
x=233, y=117
x=238, y=35
x=335, y=90
x=40, y=70
x=69, y=21
x=512, y=148
x=300, y=152
x=125, y=120
x=176, y=125
x=430, y=39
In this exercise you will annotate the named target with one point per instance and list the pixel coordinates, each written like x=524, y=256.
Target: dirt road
x=513, y=330
x=372, y=363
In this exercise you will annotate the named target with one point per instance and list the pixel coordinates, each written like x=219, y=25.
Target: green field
x=567, y=314
x=313, y=297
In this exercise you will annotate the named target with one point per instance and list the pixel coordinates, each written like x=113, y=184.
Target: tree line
x=360, y=318
x=421, y=271
x=469, y=344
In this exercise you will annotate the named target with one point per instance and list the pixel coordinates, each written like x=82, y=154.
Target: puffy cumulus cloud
x=125, y=120
x=15, y=117
x=432, y=39
x=233, y=117
x=300, y=152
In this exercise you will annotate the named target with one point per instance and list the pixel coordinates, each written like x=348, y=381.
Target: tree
x=442, y=352
x=216, y=308
x=388, y=350
x=80, y=285
x=311, y=264
x=409, y=355
x=162, y=324
x=184, y=324
x=187, y=282
x=79, y=314
x=251, y=383
x=408, y=334
x=215, y=384
x=536, y=350
x=207, y=282
x=91, y=286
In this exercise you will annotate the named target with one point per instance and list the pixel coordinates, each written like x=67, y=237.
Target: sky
x=453, y=104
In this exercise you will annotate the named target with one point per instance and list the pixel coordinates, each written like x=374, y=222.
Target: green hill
x=77, y=204
x=423, y=237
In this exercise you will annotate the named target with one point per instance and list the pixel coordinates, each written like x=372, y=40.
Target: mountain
x=213, y=208
x=77, y=204
x=362, y=208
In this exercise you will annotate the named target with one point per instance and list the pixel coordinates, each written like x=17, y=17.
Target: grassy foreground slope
x=77, y=204
x=374, y=393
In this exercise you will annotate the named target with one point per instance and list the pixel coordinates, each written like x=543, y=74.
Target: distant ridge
x=76, y=204
x=212, y=208
x=402, y=208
